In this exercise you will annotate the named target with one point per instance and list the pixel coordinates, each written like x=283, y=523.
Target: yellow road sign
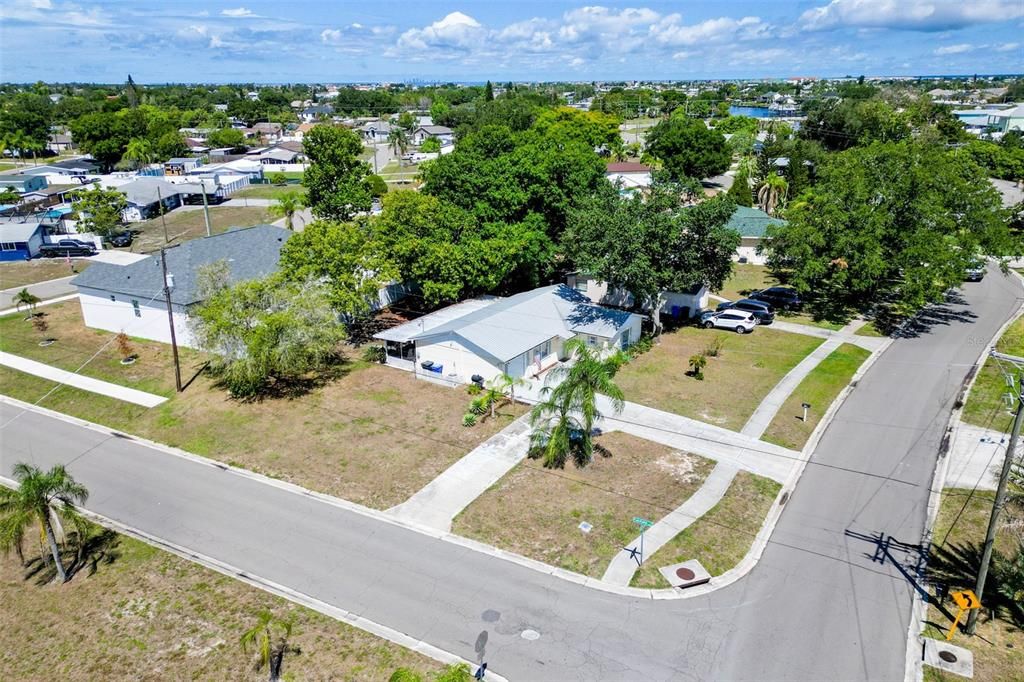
x=966, y=600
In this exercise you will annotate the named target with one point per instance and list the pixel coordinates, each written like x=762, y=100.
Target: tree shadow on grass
x=80, y=553
x=291, y=387
x=955, y=567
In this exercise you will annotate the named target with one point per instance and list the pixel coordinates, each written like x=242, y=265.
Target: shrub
x=479, y=405
x=124, y=345
x=41, y=326
x=469, y=419
x=474, y=389
x=642, y=345
x=697, y=363
x=714, y=349
x=375, y=354
x=279, y=179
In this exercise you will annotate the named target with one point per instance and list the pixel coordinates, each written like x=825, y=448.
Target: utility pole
x=160, y=207
x=170, y=320
x=206, y=207
x=997, y=505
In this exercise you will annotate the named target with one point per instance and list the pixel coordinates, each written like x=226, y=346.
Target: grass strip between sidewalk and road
x=722, y=537
x=819, y=388
x=986, y=405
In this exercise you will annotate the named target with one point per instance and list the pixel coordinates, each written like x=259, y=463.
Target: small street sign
x=965, y=601
x=642, y=522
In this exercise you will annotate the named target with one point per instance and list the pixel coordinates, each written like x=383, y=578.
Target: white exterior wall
x=692, y=301
x=117, y=315
x=599, y=292
x=748, y=249
x=458, y=362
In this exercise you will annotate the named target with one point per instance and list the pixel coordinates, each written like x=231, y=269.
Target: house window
x=591, y=340
x=135, y=307
x=113, y=298
x=625, y=338
x=8, y=246
x=582, y=284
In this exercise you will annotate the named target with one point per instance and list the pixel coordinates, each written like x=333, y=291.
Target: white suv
x=737, y=320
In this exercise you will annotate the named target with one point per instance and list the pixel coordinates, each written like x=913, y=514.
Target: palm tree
x=139, y=151
x=501, y=390
x=288, y=204
x=772, y=193
x=269, y=636
x=398, y=140
x=28, y=299
x=41, y=497
x=564, y=423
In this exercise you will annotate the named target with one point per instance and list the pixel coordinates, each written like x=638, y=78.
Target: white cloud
x=330, y=35
x=601, y=22
x=918, y=15
x=682, y=54
x=672, y=32
x=960, y=48
x=238, y=12
x=455, y=31
x=1008, y=47
x=41, y=4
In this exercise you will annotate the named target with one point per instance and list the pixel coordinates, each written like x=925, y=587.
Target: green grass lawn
x=720, y=538
x=537, y=512
x=144, y=614
x=187, y=224
x=373, y=435
x=998, y=643
x=266, y=191
x=985, y=403
x=819, y=388
x=24, y=272
x=736, y=381
x=869, y=329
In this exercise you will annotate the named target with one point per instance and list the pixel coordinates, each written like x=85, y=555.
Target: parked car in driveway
x=737, y=320
x=785, y=298
x=122, y=239
x=762, y=312
x=67, y=247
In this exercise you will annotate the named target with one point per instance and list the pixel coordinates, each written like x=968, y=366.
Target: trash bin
x=478, y=380
x=427, y=365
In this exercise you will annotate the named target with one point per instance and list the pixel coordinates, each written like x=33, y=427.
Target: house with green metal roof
x=752, y=224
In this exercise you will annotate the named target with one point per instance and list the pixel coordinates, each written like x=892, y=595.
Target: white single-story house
x=181, y=165
x=522, y=335
x=130, y=298
x=678, y=304
x=752, y=224
x=145, y=195
x=444, y=134
x=630, y=174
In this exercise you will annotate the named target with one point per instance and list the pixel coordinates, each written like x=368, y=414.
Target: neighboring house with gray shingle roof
x=752, y=224
x=130, y=297
x=522, y=335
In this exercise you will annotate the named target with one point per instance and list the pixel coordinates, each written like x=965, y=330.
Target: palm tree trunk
x=276, y=663
x=55, y=550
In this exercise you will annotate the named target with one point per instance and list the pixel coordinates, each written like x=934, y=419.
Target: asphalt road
x=818, y=606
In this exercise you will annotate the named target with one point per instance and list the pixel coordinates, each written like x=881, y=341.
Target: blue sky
x=335, y=41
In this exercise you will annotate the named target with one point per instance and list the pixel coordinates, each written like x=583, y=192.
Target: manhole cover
x=685, y=573
x=491, y=616
x=947, y=656
x=530, y=635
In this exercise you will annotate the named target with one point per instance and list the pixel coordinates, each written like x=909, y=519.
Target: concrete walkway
x=441, y=500
x=689, y=435
x=846, y=334
x=621, y=569
x=975, y=457
x=772, y=403
x=53, y=288
x=106, y=388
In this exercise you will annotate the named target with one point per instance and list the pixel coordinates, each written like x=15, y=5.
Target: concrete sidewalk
x=772, y=403
x=441, y=500
x=975, y=457
x=699, y=438
x=61, y=299
x=106, y=388
x=846, y=334
x=621, y=569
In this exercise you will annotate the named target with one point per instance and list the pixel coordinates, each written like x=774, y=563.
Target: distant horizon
x=310, y=41
x=431, y=82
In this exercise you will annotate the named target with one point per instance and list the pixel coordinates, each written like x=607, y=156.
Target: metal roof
x=515, y=325
x=404, y=332
x=18, y=232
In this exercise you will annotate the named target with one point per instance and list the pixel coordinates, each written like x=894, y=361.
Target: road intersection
x=829, y=599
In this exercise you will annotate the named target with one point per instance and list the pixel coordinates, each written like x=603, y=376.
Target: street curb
x=914, y=668
x=284, y=592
